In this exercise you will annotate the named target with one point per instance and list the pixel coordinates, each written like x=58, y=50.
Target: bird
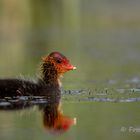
x=48, y=84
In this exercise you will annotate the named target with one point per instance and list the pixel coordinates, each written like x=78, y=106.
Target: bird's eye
x=59, y=61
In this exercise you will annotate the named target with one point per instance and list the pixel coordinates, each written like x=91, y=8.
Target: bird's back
x=17, y=87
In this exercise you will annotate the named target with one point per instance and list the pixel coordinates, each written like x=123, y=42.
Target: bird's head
x=59, y=61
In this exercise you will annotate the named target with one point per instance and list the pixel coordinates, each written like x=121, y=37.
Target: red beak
x=70, y=67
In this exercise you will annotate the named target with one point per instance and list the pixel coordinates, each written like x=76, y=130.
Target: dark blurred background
x=101, y=37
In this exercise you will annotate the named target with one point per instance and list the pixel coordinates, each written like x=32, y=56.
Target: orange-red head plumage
x=60, y=62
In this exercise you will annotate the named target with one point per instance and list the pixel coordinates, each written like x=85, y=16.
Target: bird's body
x=52, y=67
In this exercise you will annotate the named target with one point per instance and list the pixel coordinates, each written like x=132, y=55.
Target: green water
x=95, y=120
x=102, y=39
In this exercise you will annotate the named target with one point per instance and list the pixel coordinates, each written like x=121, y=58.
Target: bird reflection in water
x=54, y=120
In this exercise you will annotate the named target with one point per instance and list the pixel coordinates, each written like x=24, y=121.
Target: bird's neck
x=49, y=74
